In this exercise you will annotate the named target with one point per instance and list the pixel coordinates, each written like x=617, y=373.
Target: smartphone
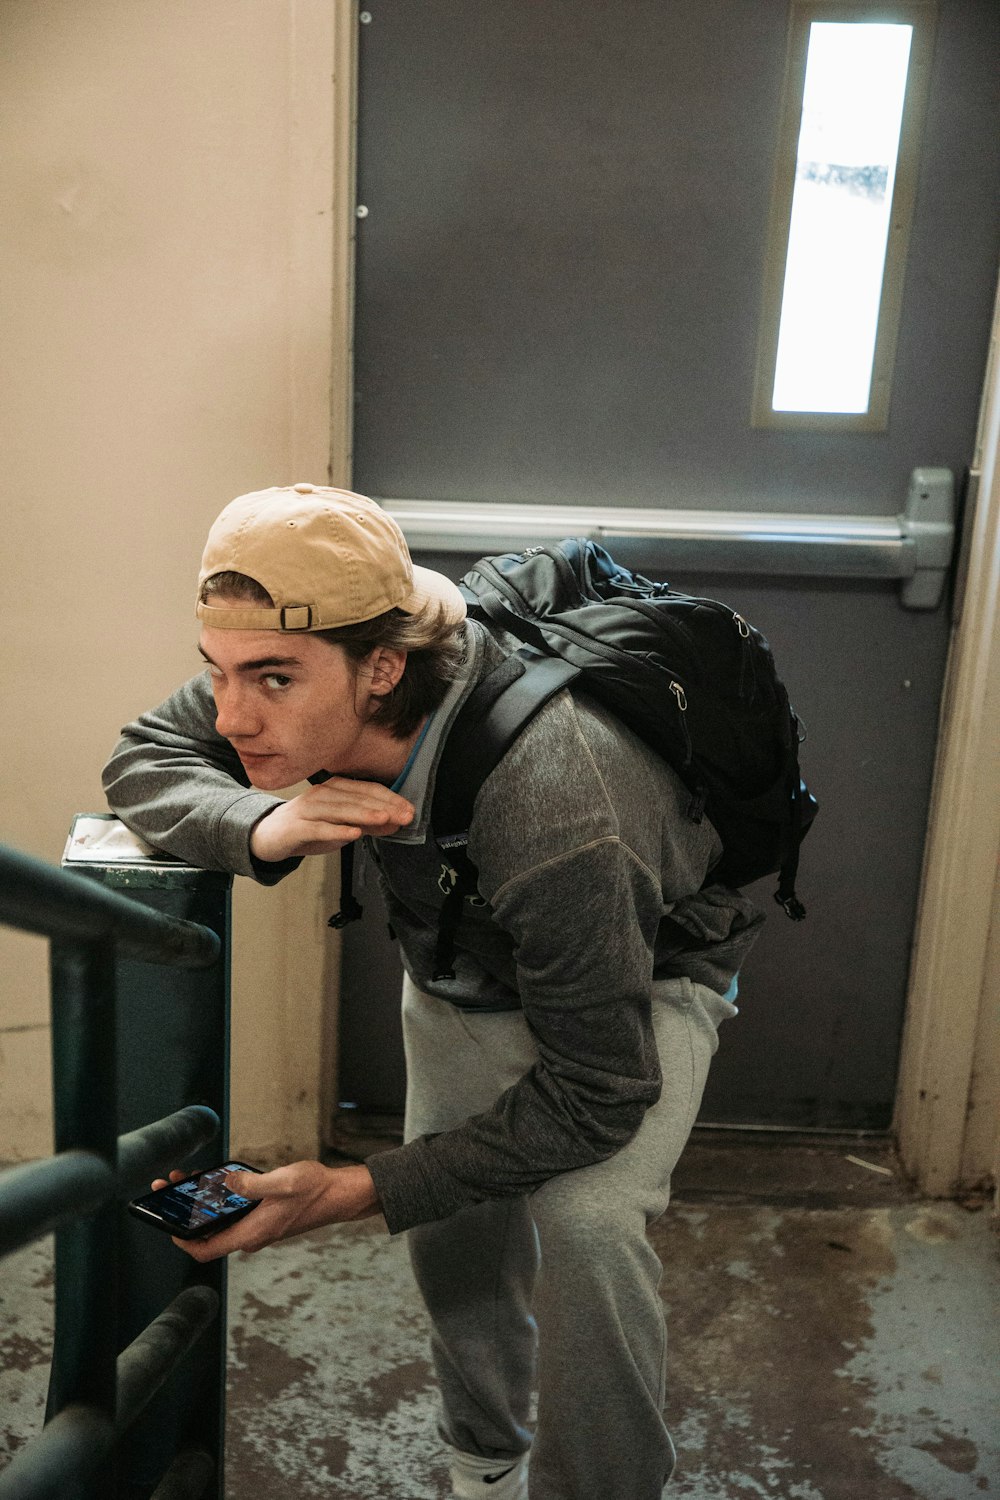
x=196, y=1206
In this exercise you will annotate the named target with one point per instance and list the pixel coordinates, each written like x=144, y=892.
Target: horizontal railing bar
x=723, y=541
x=159, y=1349
x=39, y=1196
x=65, y=1450
x=36, y=897
x=152, y=1149
x=187, y=1478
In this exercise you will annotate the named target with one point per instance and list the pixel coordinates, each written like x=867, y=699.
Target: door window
x=842, y=204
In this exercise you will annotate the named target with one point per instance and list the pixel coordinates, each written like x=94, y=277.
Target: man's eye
x=276, y=680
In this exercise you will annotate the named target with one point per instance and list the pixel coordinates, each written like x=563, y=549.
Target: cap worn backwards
x=327, y=558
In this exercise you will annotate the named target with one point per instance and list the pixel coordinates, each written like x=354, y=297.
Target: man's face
x=288, y=704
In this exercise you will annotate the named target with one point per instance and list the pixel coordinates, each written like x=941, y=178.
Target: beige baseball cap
x=326, y=557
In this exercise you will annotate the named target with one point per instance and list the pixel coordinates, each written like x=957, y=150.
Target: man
x=556, y=1070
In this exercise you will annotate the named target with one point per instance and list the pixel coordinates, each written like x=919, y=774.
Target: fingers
x=327, y=817
x=162, y=1182
x=282, y=1182
x=366, y=805
x=212, y=1248
x=249, y=1184
x=262, y=1227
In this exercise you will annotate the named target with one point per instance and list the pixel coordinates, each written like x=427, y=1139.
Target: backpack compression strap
x=785, y=894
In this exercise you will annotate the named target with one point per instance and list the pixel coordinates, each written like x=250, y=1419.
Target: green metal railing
x=139, y=997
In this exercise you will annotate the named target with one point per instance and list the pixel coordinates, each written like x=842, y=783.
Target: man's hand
x=327, y=817
x=293, y=1199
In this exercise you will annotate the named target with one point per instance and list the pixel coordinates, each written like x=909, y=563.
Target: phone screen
x=198, y=1205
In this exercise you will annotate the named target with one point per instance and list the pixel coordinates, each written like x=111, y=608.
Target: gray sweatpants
x=572, y=1257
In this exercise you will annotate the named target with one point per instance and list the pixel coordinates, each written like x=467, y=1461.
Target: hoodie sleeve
x=177, y=783
x=583, y=927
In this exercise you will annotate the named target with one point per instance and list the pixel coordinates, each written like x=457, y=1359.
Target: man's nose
x=235, y=715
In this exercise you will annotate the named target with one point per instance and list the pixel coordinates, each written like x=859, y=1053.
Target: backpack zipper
x=682, y=707
x=508, y=590
x=746, y=660
x=671, y=627
x=569, y=573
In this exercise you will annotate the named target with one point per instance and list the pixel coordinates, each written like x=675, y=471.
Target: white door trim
x=949, y=974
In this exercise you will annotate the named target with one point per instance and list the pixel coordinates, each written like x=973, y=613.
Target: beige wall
x=167, y=274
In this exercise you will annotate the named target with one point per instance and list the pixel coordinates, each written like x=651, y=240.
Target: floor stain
x=20, y=1353
x=254, y=1310
x=268, y=1368
x=956, y=1453
x=331, y=1454
x=392, y=1387
x=933, y=1227
x=757, y=1394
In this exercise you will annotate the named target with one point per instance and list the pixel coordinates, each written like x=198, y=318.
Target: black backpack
x=688, y=675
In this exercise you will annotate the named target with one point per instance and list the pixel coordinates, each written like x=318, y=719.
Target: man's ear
x=386, y=664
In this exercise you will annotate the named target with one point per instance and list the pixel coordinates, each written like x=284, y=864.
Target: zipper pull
x=682, y=705
x=746, y=659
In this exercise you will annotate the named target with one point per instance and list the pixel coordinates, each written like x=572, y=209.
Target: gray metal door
x=561, y=250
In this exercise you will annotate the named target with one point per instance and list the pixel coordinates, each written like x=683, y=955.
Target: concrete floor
x=832, y=1338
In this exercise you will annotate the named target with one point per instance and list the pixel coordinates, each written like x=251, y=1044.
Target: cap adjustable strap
x=290, y=617
x=296, y=617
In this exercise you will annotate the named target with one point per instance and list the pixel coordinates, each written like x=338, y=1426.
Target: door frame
x=949, y=1059
x=947, y=1046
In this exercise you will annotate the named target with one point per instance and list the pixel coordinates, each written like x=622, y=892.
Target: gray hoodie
x=592, y=885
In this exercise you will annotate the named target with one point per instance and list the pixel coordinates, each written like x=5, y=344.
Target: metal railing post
x=140, y=1024
x=173, y=1050
x=86, y=1252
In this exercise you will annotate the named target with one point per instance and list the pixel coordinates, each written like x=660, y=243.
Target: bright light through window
x=852, y=110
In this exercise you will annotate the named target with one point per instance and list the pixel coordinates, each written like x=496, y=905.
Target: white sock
x=475, y=1478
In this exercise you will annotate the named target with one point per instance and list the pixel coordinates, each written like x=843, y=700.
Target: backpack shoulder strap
x=488, y=724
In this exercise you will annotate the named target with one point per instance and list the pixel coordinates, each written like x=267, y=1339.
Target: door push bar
x=914, y=547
